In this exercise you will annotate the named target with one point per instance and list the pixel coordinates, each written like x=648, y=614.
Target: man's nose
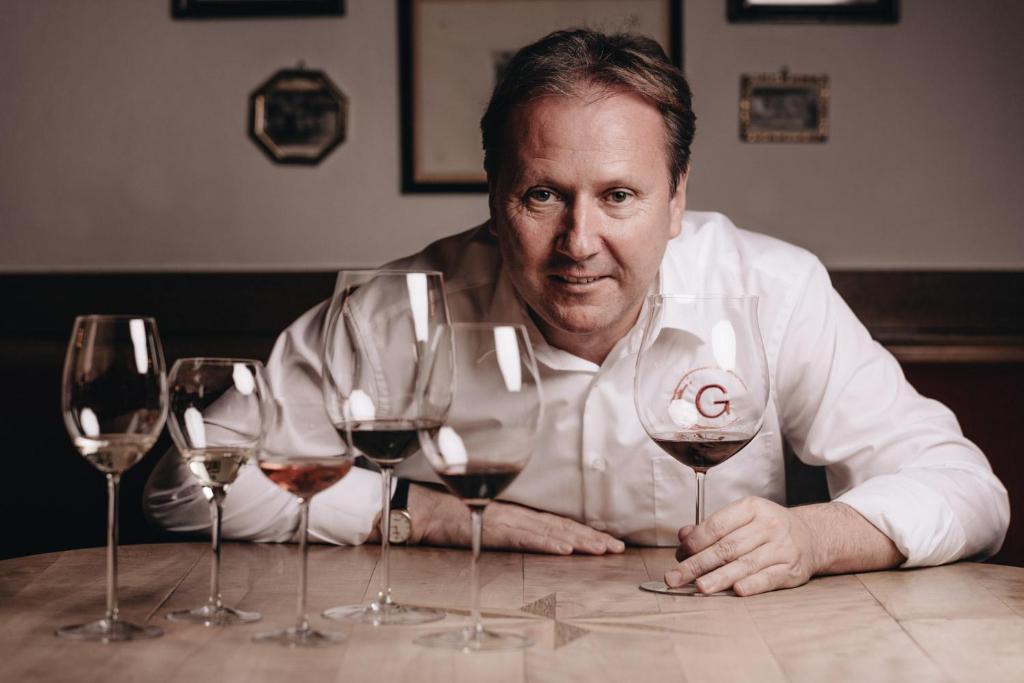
x=580, y=238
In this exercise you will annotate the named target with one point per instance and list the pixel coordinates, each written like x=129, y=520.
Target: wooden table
x=588, y=620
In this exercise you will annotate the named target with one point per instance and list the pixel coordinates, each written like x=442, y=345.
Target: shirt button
x=599, y=525
x=598, y=465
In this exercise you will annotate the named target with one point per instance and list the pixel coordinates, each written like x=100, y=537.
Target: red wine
x=701, y=450
x=305, y=477
x=478, y=484
x=391, y=441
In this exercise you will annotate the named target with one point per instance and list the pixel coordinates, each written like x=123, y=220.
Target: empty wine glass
x=301, y=453
x=218, y=410
x=485, y=444
x=701, y=384
x=114, y=400
x=379, y=326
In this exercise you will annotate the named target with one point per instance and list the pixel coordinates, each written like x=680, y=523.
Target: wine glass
x=301, y=453
x=377, y=332
x=485, y=444
x=701, y=384
x=218, y=408
x=114, y=400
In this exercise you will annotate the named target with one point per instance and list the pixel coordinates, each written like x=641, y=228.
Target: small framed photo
x=804, y=11
x=219, y=9
x=783, y=108
x=298, y=116
x=450, y=56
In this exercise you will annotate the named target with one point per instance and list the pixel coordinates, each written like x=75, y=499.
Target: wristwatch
x=401, y=520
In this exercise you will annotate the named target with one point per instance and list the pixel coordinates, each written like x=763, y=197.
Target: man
x=587, y=143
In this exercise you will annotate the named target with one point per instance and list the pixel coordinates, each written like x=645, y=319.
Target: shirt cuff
x=916, y=518
x=345, y=513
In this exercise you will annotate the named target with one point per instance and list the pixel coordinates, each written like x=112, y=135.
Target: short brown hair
x=561, y=62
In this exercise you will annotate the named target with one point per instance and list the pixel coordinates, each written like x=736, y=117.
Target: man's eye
x=619, y=196
x=540, y=195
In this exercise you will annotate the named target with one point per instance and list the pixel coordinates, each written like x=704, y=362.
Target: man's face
x=583, y=208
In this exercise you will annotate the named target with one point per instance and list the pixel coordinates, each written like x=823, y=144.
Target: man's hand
x=754, y=546
x=442, y=519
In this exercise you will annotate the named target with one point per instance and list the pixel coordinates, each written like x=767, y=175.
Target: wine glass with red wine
x=484, y=444
x=302, y=454
x=701, y=385
x=378, y=329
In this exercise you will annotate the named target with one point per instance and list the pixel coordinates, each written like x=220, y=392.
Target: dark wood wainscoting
x=959, y=336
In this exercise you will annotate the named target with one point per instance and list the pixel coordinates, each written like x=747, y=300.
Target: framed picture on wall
x=793, y=11
x=783, y=108
x=213, y=9
x=450, y=56
x=298, y=116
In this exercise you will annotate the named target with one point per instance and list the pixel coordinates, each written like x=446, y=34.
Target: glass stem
x=699, y=515
x=476, y=515
x=216, y=513
x=113, y=486
x=384, y=595
x=302, y=624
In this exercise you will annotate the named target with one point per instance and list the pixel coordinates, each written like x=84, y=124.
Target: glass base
x=210, y=615
x=384, y=614
x=689, y=589
x=299, y=637
x=109, y=631
x=470, y=639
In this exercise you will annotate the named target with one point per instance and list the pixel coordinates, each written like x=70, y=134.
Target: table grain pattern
x=588, y=620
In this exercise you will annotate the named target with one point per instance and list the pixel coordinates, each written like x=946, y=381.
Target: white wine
x=114, y=453
x=218, y=466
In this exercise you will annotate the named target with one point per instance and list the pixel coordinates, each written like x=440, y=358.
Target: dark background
x=958, y=335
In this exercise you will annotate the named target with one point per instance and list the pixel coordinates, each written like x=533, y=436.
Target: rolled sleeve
x=896, y=457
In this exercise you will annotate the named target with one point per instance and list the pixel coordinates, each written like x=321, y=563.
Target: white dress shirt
x=837, y=397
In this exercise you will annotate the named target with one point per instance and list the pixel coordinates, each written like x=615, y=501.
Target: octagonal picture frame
x=298, y=116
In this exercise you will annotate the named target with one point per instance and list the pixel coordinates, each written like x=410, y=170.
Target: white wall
x=123, y=142
x=924, y=163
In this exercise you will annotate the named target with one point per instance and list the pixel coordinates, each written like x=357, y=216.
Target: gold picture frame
x=781, y=107
x=298, y=116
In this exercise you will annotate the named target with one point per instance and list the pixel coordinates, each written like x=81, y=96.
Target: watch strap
x=400, y=498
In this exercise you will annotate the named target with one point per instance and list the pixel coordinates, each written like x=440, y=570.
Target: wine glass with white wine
x=218, y=410
x=701, y=385
x=114, y=401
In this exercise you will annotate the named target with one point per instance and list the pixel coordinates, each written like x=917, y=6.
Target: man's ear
x=491, y=189
x=677, y=205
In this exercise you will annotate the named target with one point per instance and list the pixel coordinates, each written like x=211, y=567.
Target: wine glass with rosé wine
x=302, y=454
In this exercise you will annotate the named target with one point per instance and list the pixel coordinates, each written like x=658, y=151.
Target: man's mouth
x=578, y=279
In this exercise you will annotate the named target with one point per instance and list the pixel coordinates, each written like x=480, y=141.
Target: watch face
x=401, y=527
